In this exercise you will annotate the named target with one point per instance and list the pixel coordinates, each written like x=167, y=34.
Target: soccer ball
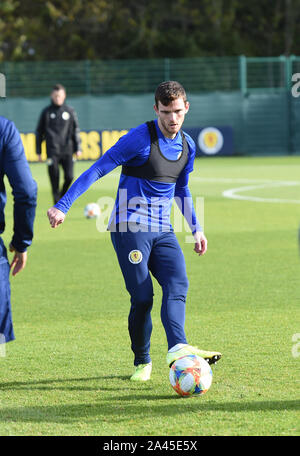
x=190, y=375
x=92, y=210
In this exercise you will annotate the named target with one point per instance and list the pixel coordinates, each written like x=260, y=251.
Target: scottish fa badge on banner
x=212, y=141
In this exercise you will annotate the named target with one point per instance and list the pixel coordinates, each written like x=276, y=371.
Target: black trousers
x=67, y=164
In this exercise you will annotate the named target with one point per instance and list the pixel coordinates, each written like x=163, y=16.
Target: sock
x=176, y=347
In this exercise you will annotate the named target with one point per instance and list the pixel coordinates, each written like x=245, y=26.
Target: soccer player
x=156, y=159
x=58, y=125
x=14, y=165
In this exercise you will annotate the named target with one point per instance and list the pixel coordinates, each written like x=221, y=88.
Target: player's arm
x=185, y=203
x=124, y=150
x=103, y=166
x=24, y=191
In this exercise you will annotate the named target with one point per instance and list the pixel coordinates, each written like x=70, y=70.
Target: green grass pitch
x=67, y=371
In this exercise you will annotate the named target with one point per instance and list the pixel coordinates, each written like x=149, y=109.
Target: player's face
x=58, y=97
x=171, y=117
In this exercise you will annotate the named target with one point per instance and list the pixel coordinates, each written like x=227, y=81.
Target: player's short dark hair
x=59, y=87
x=169, y=91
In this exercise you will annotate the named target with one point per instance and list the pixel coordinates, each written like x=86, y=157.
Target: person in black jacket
x=58, y=125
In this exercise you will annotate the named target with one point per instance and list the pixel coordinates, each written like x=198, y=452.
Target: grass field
x=67, y=371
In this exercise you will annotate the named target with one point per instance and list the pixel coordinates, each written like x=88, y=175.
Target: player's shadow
x=140, y=401
x=123, y=408
x=67, y=413
x=60, y=384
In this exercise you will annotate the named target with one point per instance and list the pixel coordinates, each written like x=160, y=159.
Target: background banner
x=94, y=143
x=211, y=141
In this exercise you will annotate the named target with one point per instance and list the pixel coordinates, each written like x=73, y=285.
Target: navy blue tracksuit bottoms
x=159, y=253
x=6, y=325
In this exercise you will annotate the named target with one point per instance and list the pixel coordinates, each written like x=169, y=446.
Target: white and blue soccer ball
x=190, y=375
x=92, y=210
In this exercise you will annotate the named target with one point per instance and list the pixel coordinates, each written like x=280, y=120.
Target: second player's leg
x=67, y=164
x=53, y=171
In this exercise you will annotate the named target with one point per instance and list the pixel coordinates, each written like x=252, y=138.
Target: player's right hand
x=55, y=216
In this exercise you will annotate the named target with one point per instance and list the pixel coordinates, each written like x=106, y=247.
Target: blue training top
x=14, y=165
x=140, y=200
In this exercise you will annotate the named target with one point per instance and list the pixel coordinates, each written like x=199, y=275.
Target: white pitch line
x=260, y=183
x=233, y=193
x=241, y=180
x=230, y=180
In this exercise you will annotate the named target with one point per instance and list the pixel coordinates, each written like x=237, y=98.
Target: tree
x=119, y=29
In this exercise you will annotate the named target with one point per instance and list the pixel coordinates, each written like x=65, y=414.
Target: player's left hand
x=19, y=260
x=200, y=243
x=78, y=153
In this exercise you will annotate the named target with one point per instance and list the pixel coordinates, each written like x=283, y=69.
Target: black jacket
x=58, y=125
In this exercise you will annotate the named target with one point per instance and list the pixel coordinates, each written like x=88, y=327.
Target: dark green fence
x=253, y=95
x=34, y=79
x=205, y=74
